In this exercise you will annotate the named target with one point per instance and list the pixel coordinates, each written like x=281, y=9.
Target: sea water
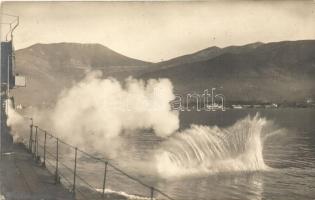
x=237, y=154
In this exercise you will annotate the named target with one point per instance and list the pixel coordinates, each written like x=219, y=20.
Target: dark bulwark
x=6, y=64
x=20, y=176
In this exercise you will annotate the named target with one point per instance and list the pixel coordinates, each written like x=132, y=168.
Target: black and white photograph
x=157, y=100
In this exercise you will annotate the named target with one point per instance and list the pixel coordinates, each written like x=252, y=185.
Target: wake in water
x=204, y=149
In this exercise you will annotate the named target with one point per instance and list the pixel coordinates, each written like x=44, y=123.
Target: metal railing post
x=104, y=180
x=44, y=162
x=75, y=171
x=151, y=193
x=57, y=160
x=37, y=156
x=31, y=138
x=35, y=145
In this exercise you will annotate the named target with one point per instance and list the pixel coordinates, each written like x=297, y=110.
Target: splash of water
x=94, y=113
x=203, y=149
x=124, y=194
x=17, y=123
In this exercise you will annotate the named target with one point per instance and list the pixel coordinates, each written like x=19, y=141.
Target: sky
x=156, y=31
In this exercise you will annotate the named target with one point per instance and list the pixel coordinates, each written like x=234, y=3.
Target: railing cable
x=58, y=160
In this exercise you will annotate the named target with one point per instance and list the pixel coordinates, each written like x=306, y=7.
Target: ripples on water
x=289, y=156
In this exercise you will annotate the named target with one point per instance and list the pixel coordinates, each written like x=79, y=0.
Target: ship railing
x=87, y=176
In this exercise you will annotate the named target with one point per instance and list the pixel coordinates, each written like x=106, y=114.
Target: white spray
x=204, y=149
x=96, y=111
x=19, y=127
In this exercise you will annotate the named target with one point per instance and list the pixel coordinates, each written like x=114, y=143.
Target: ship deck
x=22, y=178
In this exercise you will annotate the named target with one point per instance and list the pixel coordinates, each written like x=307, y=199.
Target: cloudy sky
x=155, y=31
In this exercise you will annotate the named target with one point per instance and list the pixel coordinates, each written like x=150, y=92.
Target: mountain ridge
x=117, y=59
x=204, y=54
x=277, y=71
x=50, y=68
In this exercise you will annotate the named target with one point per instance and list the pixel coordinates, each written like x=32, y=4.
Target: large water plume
x=204, y=149
x=17, y=123
x=95, y=112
